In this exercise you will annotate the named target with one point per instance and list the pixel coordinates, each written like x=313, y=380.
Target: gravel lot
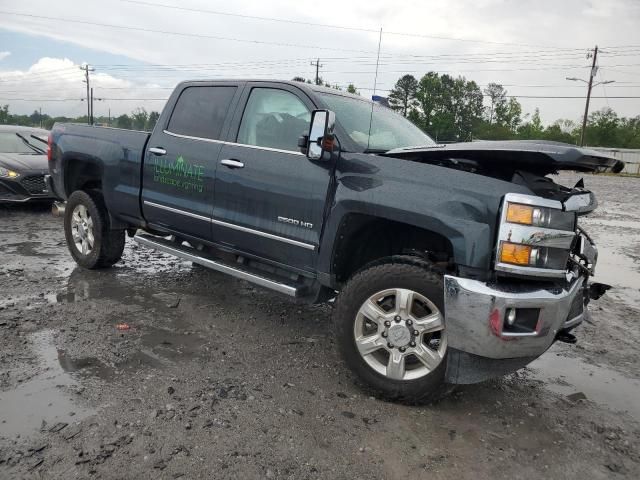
x=218, y=379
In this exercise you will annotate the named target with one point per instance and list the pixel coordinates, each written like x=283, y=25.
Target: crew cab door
x=269, y=198
x=180, y=161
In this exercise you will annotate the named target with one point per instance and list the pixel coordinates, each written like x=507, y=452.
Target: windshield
x=388, y=129
x=10, y=142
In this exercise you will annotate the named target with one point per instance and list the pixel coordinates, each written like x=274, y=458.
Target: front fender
x=462, y=207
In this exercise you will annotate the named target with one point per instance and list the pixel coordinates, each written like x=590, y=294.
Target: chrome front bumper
x=475, y=313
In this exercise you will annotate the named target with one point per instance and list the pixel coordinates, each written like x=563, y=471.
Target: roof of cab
x=302, y=85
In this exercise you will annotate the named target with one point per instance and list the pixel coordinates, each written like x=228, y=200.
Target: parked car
x=23, y=164
x=451, y=263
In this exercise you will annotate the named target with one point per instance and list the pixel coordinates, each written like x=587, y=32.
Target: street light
x=590, y=86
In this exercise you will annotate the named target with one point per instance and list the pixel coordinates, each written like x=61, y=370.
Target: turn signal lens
x=515, y=253
x=517, y=213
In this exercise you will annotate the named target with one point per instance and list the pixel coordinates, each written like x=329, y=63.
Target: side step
x=188, y=253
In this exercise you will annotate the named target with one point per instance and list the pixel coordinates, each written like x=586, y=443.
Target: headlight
x=532, y=256
x=6, y=173
x=540, y=216
x=535, y=237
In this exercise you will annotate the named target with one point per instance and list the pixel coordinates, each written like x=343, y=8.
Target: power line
x=326, y=25
x=181, y=34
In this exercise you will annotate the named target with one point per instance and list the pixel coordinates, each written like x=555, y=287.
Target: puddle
x=565, y=375
x=615, y=266
x=43, y=398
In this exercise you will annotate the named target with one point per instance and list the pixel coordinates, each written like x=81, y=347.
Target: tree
x=299, y=79
x=351, y=88
x=4, y=114
x=508, y=114
x=152, y=120
x=139, y=118
x=448, y=108
x=533, y=129
x=497, y=96
x=123, y=121
x=403, y=95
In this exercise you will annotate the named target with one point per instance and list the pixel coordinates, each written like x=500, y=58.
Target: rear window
x=200, y=111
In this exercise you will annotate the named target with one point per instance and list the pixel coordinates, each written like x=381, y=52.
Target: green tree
x=403, y=95
x=508, y=114
x=533, y=129
x=497, y=96
x=152, y=120
x=4, y=114
x=351, y=88
x=448, y=108
x=123, y=121
x=139, y=118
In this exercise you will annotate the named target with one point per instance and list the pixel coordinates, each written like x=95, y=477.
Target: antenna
x=375, y=84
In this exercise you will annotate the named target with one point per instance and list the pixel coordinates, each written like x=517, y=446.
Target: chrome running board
x=188, y=253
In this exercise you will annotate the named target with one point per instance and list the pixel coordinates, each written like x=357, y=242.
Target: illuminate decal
x=180, y=174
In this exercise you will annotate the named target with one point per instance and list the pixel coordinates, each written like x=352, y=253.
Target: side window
x=200, y=111
x=274, y=119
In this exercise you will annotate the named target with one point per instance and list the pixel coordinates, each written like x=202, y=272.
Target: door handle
x=228, y=162
x=157, y=151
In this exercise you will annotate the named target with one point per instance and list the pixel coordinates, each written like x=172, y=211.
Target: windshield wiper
x=27, y=143
x=40, y=139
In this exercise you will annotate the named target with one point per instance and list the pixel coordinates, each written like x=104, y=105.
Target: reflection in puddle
x=565, y=375
x=43, y=398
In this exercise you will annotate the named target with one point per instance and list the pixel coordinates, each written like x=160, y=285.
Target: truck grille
x=34, y=184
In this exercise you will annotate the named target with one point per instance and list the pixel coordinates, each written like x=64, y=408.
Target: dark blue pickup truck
x=448, y=263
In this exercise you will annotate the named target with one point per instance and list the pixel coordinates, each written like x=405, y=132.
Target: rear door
x=269, y=198
x=180, y=161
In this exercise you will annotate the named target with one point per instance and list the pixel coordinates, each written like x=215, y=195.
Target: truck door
x=269, y=198
x=180, y=161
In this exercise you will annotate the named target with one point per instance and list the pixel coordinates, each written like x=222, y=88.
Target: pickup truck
x=445, y=264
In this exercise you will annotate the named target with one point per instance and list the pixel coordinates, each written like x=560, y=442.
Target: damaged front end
x=543, y=260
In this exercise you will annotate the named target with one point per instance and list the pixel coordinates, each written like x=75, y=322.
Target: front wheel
x=390, y=327
x=86, y=226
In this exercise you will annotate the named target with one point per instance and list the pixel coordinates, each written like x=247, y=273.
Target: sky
x=140, y=49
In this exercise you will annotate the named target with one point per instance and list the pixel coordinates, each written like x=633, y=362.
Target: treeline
x=449, y=109
x=139, y=119
x=456, y=109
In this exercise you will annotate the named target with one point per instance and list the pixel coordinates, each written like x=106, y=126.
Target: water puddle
x=44, y=398
x=616, y=266
x=566, y=375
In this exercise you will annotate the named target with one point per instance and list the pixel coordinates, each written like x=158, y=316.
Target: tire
x=91, y=213
x=420, y=383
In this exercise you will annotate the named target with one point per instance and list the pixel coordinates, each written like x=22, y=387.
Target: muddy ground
x=218, y=379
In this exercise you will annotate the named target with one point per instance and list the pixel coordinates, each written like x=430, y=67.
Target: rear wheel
x=390, y=324
x=86, y=225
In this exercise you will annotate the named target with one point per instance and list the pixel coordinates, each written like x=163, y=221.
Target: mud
x=217, y=379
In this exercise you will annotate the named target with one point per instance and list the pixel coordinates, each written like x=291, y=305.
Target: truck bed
x=117, y=153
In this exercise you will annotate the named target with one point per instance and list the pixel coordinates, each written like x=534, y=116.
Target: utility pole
x=590, y=85
x=317, y=65
x=87, y=68
x=91, y=109
x=586, y=107
x=40, y=110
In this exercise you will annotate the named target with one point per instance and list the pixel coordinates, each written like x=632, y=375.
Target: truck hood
x=503, y=158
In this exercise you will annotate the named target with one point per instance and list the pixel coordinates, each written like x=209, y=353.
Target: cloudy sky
x=141, y=48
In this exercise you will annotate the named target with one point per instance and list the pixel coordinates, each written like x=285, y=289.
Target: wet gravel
x=157, y=369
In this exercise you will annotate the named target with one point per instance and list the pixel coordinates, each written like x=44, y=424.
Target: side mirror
x=321, y=138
